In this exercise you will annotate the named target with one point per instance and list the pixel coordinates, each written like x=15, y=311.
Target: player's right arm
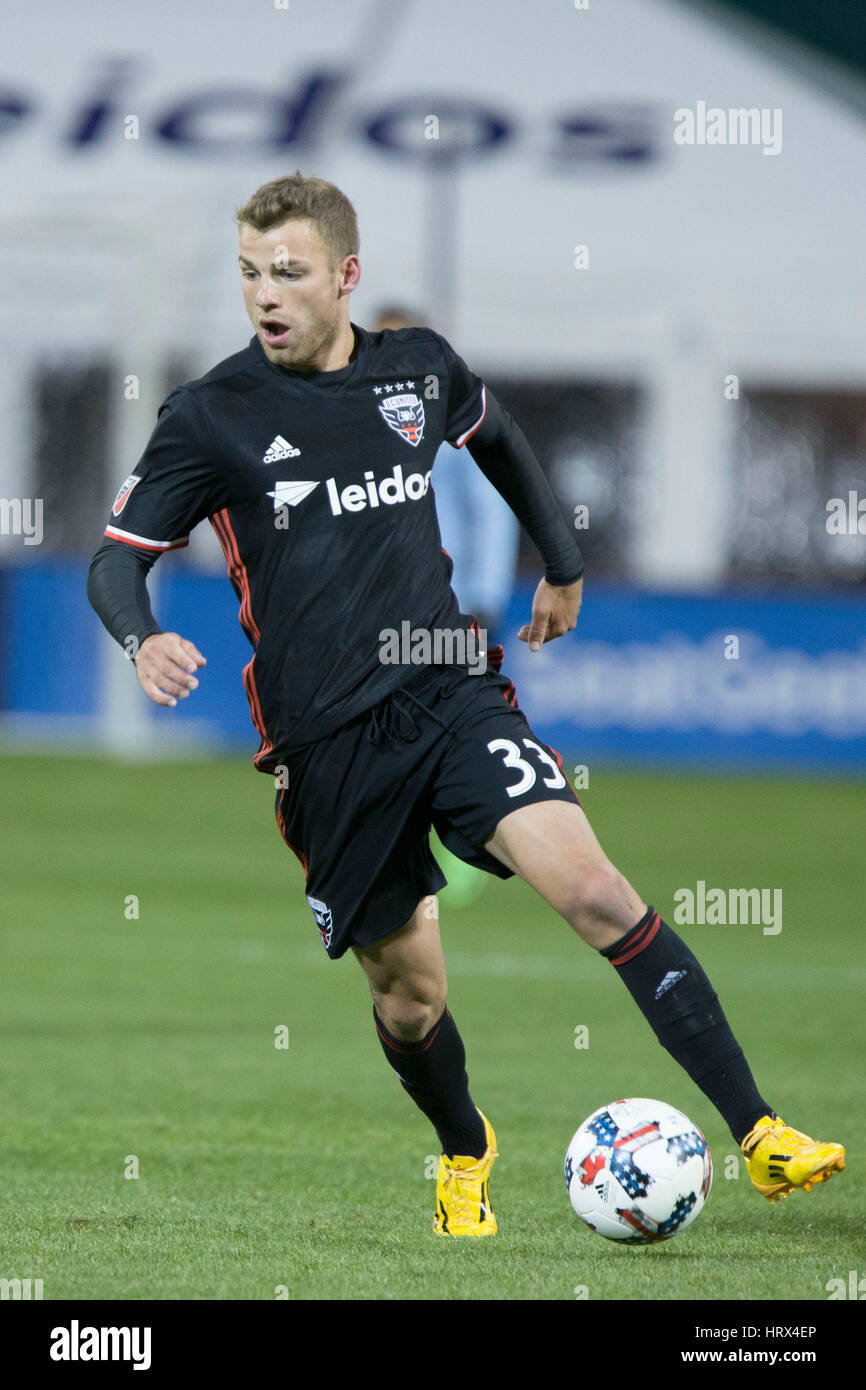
x=165, y=662
x=175, y=484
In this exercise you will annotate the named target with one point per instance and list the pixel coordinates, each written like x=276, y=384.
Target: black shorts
x=449, y=750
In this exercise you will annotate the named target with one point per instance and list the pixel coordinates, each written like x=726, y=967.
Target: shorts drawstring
x=414, y=698
x=385, y=718
x=384, y=725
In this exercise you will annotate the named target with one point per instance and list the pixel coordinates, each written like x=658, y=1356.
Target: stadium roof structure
x=826, y=42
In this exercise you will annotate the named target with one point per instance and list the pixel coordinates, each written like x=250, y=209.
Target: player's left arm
x=554, y=612
x=502, y=452
x=475, y=420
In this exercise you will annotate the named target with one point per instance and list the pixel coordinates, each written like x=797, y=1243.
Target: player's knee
x=410, y=1016
x=601, y=898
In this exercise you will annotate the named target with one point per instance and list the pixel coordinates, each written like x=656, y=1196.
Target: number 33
x=527, y=771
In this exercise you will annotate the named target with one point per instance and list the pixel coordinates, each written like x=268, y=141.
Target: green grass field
x=152, y=1040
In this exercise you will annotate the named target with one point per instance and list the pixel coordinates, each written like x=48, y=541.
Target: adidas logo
x=279, y=449
x=669, y=981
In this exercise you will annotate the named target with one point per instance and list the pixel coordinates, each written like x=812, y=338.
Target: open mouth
x=274, y=332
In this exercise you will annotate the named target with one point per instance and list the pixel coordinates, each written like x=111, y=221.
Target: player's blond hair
x=296, y=197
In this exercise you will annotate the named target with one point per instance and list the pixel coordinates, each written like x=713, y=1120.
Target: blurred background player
x=479, y=530
x=481, y=534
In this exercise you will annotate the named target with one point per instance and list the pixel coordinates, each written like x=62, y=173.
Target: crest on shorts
x=405, y=414
x=324, y=920
x=122, y=497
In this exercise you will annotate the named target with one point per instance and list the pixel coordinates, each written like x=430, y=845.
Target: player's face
x=294, y=297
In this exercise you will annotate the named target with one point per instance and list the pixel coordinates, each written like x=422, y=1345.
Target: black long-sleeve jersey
x=318, y=486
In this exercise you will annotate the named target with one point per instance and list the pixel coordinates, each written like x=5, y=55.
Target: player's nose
x=267, y=294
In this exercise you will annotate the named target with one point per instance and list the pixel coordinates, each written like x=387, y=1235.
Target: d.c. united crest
x=405, y=414
x=324, y=920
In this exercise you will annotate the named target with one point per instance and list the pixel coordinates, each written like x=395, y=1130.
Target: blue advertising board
x=726, y=680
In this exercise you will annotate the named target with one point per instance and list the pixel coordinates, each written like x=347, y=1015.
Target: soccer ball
x=638, y=1171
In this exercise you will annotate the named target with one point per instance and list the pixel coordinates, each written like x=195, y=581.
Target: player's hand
x=554, y=612
x=166, y=666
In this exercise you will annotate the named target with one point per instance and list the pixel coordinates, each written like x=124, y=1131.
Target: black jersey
x=318, y=486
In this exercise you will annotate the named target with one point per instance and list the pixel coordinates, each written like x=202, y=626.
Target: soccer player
x=310, y=452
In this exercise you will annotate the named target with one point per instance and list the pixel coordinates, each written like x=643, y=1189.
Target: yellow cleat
x=462, y=1200
x=778, y=1159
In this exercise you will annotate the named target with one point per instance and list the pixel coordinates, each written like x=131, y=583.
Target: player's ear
x=350, y=274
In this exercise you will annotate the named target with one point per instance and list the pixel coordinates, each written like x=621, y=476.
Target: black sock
x=433, y=1073
x=669, y=986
